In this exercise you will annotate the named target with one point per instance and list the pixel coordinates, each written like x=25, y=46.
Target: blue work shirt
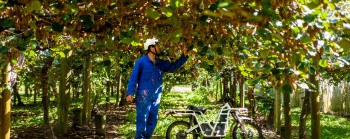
x=149, y=76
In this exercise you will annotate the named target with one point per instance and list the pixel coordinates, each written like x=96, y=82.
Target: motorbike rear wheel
x=252, y=131
x=177, y=130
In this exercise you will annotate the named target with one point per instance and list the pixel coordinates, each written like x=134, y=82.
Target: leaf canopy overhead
x=282, y=34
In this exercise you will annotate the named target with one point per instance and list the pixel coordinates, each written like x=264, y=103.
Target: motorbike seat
x=197, y=109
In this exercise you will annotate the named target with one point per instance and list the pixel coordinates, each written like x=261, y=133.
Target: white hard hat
x=149, y=42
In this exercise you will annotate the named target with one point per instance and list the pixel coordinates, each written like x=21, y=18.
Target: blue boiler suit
x=149, y=78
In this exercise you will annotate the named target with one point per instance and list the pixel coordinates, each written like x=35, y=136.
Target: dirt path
x=181, y=89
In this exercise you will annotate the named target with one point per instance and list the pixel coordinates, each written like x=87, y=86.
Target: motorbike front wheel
x=177, y=130
x=248, y=130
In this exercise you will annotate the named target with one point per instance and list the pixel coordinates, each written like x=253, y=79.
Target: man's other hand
x=186, y=53
x=130, y=98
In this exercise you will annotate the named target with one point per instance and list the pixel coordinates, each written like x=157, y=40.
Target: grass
x=33, y=114
x=332, y=126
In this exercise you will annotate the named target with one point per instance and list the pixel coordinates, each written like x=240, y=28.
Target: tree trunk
x=123, y=92
x=79, y=84
x=76, y=117
x=36, y=89
x=305, y=111
x=270, y=117
x=118, y=88
x=108, y=92
x=234, y=89
x=315, y=103
x=251, y=102
x=26, y=88
x=45, y=86
x=16, y=93
x=100, y=124
x=86, y=91
x=55, y=92
x=112, y=88
x=108, y=89
x=277, y=111
x=217, y=90
x=221, y=88
x=241, y=90
x=30, y=92
x=5, y=111
x=123, y=98
x=225, y=81
x=287, y=116
x=64, y=95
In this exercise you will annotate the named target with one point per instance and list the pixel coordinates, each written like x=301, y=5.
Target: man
x=148, y=74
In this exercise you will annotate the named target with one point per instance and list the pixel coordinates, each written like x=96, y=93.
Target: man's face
x=157, y=47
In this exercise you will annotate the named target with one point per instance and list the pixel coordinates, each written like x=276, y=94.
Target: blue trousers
x=147, y=115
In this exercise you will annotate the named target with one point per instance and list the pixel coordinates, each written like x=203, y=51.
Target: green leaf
x=203, y=19
x=275, y=71
x=244, y=73
x=107, y=63
x=211, y=13
x=65, y=17
x=31, y=53
x=264, y=33
x=219, y=51
x=305, y=39
x=57, y=27
x=253, y=82
x=331, y=5
x=224, y=4
x=200, y=44
x=131, y=32
x=57, y=5
x=152, y=13
x=313, y=4
x=3, y=49
x=324, y=15
x=243, y=56
x=34, y=5
x=178, y=33
x=48, y=53
x=205, y=49
x=267, y=67
x=133, y=43
x=87, y=22
x=132, y=4
x=287, y=88
x=7, y=23
x=323, y=63
x=344, y=43
x=156, y=4
x=167, y=11
x=213, y=7
x=62, y=55
x=310, y=17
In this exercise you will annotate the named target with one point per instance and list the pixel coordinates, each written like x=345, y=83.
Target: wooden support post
x=100, y=123
x=5, y=111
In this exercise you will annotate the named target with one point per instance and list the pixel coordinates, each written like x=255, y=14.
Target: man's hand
x=130, y=98
x=186, y=53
